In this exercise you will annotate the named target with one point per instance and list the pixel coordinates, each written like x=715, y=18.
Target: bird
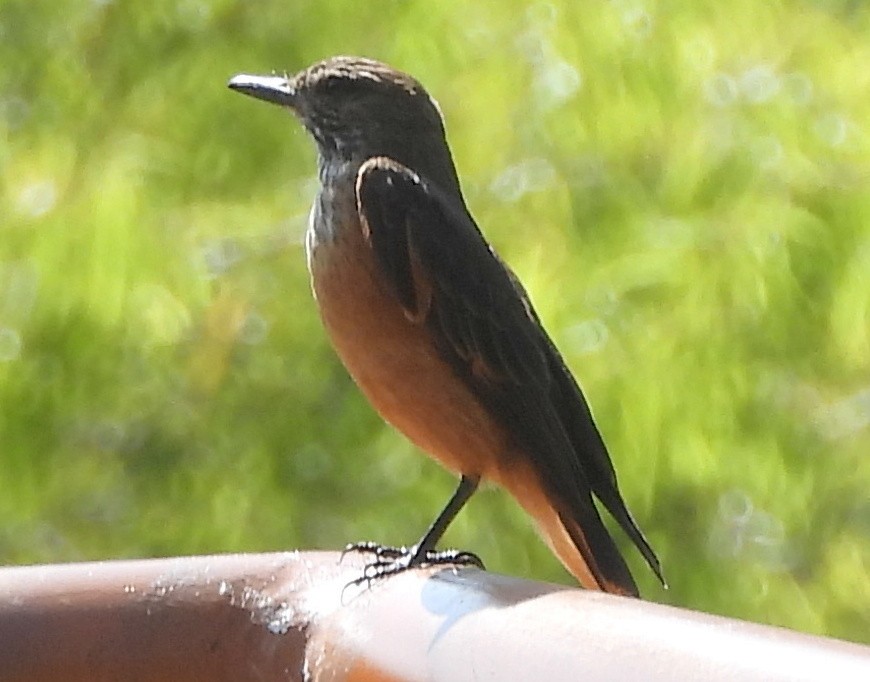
x=435, y=329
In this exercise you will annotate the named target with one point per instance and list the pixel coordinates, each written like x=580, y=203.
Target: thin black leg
x=391, y=560
x=464, y=491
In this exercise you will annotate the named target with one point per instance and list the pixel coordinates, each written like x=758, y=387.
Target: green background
x=682, y=186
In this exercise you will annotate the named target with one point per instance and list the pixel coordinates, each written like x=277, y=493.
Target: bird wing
x=447, y=277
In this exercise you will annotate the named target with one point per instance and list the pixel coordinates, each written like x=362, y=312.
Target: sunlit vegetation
x=682, y=186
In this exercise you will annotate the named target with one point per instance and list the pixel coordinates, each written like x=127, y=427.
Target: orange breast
x=395, y=363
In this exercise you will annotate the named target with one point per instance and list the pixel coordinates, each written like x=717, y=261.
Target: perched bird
x=434, y=328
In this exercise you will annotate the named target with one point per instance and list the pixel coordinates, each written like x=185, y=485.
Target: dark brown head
x=354, y=107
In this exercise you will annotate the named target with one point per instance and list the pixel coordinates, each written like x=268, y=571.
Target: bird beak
x=274, y=89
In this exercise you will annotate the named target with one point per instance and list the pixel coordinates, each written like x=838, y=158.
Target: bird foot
x=394, y=560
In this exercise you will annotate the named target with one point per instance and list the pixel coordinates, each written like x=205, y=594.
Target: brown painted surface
x=169, y=619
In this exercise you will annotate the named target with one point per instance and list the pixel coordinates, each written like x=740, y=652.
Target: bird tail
x=584, y=546
x=600, y=569
x=619, y=511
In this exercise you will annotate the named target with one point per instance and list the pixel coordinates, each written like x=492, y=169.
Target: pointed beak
x=274, y=89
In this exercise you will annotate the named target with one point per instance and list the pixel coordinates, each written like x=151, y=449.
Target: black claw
x=394, y=560
x=465, y=559
x=380, y=551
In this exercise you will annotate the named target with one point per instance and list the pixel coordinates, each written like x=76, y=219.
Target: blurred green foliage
x=683, y=187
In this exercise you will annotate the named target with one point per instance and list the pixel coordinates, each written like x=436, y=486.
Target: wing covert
x=445, y=274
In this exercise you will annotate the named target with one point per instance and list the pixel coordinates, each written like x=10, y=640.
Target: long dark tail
x=599, y=554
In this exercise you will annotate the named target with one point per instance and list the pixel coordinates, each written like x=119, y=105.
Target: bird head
x=352, y=106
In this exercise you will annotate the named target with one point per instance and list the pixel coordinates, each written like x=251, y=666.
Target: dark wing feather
x=447, y=277
x=473, y=302
x=575, y=415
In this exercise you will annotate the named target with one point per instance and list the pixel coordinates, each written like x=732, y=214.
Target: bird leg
x=392, y=560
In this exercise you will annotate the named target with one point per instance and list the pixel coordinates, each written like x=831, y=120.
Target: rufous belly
x=395, y=363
